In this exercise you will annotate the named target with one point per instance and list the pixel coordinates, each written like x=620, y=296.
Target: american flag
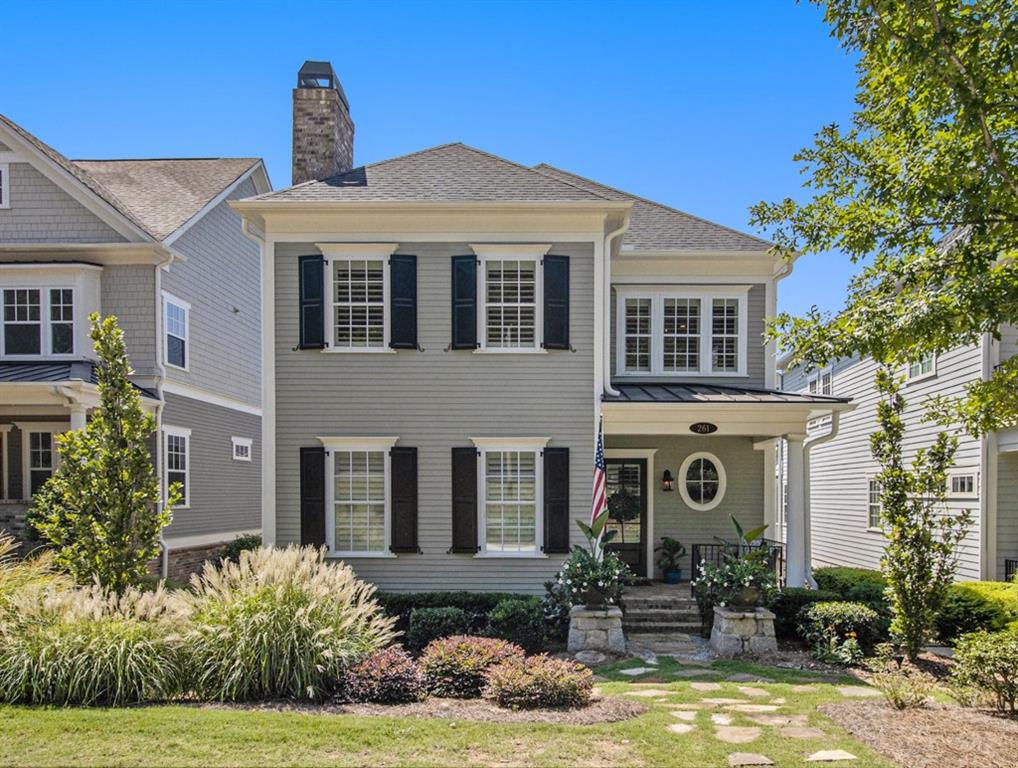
x=599, y=505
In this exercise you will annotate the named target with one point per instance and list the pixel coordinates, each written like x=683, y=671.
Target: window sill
x=922, y=377
x=361, y=555
x=185, y=369
x=511, y=556
x=871, y=529
x=510, y=351
x=365, y=351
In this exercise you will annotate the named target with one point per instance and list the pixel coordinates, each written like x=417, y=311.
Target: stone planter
x=596, y=630
x=743, y=632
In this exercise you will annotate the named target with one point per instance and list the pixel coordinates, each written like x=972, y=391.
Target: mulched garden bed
x=939, y=736
x=606, y=710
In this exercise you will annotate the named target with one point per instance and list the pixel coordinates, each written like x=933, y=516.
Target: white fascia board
x=106, y=254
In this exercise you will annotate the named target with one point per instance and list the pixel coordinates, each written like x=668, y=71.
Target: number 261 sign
x=703, y=428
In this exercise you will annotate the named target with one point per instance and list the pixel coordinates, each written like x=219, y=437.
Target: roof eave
x=262, y=206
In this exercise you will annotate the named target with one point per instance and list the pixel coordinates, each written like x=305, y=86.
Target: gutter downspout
x=808, y=493
x=164, y=548
x=606, y=364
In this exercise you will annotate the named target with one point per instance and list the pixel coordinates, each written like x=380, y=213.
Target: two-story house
x=844, y=495
x=155, y=243
x=443, y=331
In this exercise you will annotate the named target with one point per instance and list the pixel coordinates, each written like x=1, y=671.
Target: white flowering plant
x=594, y=576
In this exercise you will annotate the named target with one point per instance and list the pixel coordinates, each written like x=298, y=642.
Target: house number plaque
x=703, y=428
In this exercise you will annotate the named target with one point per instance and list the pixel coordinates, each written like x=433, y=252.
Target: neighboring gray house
x=442, y=332
x=155, y=243
x=844, y=500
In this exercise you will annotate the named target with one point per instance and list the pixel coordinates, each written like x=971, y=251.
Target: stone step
x=657, y=602
x=660, y=615
x=662, y=628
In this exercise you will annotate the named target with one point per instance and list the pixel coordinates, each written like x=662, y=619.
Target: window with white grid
x=922, y=366
x=358, y=295
x=61, y=321
x=359, y=501
x=510, y=501
x=681, y=335
x=178, y=463
x=638, y=326
x=510, y=303
x=41, y=455
x=873, y=504
x=22, y=321
x=725, y=335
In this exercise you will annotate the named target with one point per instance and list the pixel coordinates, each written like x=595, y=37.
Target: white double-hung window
x=176, y=322
x=510, y=296
x=357, y=491
x=37, y=322
x=357, y=285
x=688, y=331
x=177, y=462
x=511, y=496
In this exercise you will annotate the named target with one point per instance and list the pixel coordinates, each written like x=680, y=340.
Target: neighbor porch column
x=78, y=412
x=796, y=556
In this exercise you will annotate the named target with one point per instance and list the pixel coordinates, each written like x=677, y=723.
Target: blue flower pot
x=673, y=577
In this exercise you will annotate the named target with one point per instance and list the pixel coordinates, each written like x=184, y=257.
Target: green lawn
x=177, y=735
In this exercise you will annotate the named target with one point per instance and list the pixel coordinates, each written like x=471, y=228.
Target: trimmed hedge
x=839, y=621
x=974, y=606
x=427, y=624
x=389, y=676
x=855, y=585
x=476, y=605
x=520, y=621
x=787, y=605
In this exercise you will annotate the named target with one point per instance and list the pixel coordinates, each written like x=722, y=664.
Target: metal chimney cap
x=320, y=74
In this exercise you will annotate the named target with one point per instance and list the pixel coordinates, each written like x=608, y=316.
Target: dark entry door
x=627, y=510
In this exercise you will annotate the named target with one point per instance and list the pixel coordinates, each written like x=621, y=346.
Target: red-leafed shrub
x=538, y=682
x=455, y=666
x=389, y=676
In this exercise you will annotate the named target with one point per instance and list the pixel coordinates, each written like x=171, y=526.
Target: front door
x=627, y=511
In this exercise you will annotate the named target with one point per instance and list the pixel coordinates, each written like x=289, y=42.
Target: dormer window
x=38, y=322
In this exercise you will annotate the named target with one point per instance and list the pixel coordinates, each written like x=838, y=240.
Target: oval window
x=702, y=481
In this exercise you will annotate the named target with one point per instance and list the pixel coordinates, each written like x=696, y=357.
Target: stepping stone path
x=703, y=687
x=688, y=716
x=830, y=756
x=743, y=677
x=734, y=734
x=754, y=707
x=695, y=672
x=796, y=732
x=723, y=702
x=780, y=720
x=721, y=719
x=649, y=693
x=737, y=759
x=636, y=671
x=756, y=693
x=681, y=728
x=857, y=691
x=779, y=700
x=804, y=689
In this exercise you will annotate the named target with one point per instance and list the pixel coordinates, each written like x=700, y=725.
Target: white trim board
x=646, y=454
x=204, y=396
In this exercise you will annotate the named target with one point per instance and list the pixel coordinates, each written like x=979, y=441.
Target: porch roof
x=55, y=372
x=712, y=393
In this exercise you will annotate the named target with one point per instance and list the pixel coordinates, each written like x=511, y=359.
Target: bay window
x=669, y=331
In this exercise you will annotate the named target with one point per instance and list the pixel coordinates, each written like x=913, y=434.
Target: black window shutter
x=312, y=496
x=464, y=302
x=464, y=500
x=556, y=302
x=556, y=500
x=403, y=464
x=312, y=302
x=403, y=301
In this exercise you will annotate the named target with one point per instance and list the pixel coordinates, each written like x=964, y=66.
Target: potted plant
x=594, y=578
x=670, y=560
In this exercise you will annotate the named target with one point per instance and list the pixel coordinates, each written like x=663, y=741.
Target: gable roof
x=447, y=173
x=157, y=196
x=657, y=227
x=162, y=194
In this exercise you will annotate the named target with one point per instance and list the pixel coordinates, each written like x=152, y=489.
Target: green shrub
x=788, y=603
x=389, y=676
x=855, y=585
x=839, y=632
x=476, y=605
x=520, y=621
x=232, y=550
x=84, y=647
x=538, y=682
x=556, y=604
x=427, y=624
x=280, y=623
x=455, y=666
x=903, y=684
x=968, y=608
x=987, y=663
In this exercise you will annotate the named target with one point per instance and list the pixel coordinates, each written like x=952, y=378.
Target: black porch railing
x=715, y=554
x=1010, y=569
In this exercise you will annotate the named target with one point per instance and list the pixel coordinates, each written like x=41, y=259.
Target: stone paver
x=743, y=677
x=722, y=702
x=754, y=708
x=693, y=672
x=756, y=693
x=704, y=687
x=798, y=732
x=688, y=705
x=735, y=734
x=804, y=689
x=681, y=728
x=636, y=671
x=857, y=691
x=687, y=715
x=779, y=720
x=738, y=759
x=649, y=693
x=779, y=700
x=721, y=719
x=830, y=756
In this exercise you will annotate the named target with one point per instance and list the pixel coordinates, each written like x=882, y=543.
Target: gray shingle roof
x=654, y=226
x=163, y=194
x=711, y=393
x=157, y=196
x=447, y=173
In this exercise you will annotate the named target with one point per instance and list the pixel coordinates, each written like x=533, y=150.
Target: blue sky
x=697, y=105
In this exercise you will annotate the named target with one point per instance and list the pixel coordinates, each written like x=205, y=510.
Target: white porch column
x=78, y=412
x=796, y=565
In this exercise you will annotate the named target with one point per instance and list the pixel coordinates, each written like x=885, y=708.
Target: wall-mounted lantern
x=667, y=482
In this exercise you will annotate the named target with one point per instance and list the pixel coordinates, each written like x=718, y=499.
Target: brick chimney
x=322, y=128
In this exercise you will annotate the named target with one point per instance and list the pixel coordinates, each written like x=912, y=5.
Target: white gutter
x=164, y=557
x=808, y=491
x=606, y=358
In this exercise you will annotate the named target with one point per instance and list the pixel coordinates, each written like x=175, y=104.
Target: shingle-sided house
x=443, y=331
x=155, y=243
x=844, y=502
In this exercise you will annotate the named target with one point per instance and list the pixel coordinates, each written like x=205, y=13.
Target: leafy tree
x=919, y=560
x=100, y=508
x=923, y=186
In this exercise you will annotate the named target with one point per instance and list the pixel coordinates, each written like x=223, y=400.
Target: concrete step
x=662, y=628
